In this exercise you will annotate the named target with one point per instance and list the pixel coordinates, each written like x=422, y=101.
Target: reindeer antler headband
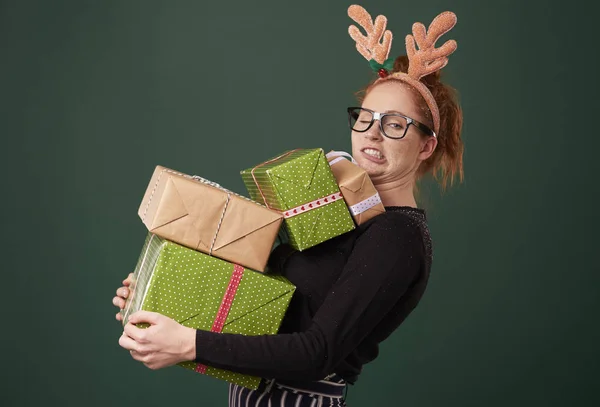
x=376, y=45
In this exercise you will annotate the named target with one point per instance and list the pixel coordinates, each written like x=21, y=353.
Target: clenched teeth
x=373, y=153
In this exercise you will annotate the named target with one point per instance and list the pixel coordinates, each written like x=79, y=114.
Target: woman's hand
x=164, y=343
x=122, y=293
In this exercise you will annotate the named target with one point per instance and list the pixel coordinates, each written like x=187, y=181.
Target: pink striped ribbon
x=312, y=205
x=234, y=283
x=300, y=208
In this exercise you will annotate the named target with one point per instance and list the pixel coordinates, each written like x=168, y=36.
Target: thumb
x=144, y=316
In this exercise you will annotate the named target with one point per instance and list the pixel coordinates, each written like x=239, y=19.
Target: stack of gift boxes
x=204, y=261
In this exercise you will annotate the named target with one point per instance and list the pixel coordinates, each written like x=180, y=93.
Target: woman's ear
x=427, y=148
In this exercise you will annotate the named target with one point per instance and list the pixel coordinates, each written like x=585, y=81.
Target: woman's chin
x=372, y=169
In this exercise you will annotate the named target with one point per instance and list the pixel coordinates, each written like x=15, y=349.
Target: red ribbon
x=234, y=283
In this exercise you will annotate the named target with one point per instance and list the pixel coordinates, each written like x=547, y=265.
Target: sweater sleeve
x=384, y=262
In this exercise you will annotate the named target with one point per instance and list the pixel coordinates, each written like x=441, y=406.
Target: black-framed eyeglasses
x=392, y=125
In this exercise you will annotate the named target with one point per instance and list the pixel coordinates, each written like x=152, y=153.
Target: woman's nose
x=374, y=133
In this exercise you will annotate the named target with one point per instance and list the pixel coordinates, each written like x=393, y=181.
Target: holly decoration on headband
x=384, y=69
x=376, y=44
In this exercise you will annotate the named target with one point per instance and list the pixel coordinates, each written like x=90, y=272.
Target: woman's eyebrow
x=395, y=111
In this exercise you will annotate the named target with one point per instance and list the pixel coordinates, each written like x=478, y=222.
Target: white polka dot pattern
x=192, y=288
x=365, y=205
x=293, y=180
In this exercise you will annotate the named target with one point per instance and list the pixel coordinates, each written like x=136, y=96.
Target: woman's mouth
x=373, y=154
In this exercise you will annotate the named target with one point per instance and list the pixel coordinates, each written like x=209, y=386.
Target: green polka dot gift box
x=300, y=184
x=205, y=292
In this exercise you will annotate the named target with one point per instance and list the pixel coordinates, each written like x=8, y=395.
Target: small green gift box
x=205, y=292
x=300, y=184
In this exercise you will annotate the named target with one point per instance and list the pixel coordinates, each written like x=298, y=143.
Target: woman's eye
x=396, y=125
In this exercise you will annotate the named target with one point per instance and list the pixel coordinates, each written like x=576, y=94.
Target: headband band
x=376, y=46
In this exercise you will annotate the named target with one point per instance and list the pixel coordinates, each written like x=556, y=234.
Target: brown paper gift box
x=203, y=216
x=356, y=187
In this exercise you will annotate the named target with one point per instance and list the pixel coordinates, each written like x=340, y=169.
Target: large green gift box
x=300, y=184
x=205, y=292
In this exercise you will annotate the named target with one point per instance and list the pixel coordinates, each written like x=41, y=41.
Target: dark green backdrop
x=96, y=93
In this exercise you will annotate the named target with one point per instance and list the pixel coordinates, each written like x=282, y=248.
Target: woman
x=353, y=291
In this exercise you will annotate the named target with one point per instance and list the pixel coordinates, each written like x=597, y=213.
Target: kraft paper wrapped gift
x=203, y=216
x=357, y=188
x=300, y=184
x=205, y=292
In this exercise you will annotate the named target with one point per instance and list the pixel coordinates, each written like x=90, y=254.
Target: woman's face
x=384, y=159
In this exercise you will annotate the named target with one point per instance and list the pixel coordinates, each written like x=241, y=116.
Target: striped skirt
x=284, y=393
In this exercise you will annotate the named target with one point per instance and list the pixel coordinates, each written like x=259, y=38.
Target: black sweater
x=352, y=292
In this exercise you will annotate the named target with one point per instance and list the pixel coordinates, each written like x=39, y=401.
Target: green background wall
x=94, y=94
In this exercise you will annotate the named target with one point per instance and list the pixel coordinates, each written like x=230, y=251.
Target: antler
x=429, y=59
x=370, y=46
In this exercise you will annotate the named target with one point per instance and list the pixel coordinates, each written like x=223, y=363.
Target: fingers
x=128, y=343
x=135, y=333
x=119, y=302
x=140, y=357
x=120, y=299
x=123, y=292
x=135, y=349
x=145, y=316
